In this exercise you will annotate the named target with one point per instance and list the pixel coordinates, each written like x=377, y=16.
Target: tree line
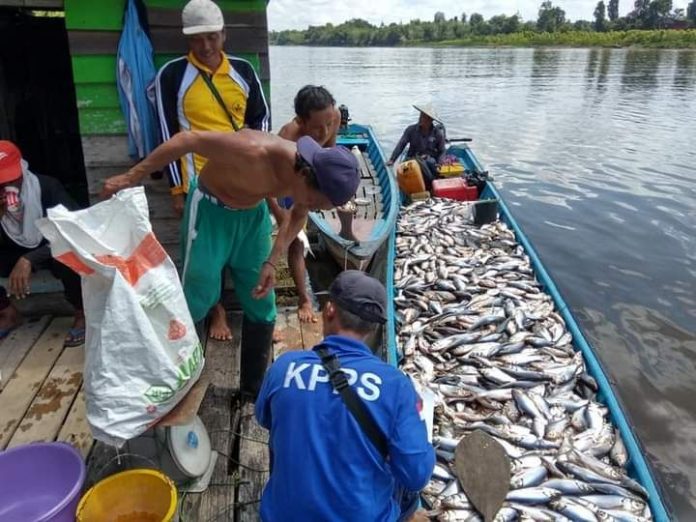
x=646, y=15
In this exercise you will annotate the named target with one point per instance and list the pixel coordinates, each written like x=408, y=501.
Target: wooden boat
x=638, y=467
x=352, y=237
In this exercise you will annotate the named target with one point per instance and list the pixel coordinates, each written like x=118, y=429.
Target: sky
x=299, y=14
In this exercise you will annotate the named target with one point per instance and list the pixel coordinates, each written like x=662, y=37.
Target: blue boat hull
x=359, y=254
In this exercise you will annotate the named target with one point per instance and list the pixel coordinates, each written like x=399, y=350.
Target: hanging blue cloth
x=135, y=71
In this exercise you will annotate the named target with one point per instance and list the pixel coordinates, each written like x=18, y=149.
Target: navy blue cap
x=360, y=294
x=337, y=170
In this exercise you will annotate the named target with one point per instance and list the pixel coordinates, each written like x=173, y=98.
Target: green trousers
x=215, y=236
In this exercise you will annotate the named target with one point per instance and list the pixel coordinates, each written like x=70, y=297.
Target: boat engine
x=345, y=116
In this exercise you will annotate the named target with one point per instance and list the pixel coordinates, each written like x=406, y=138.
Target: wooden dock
x=41, y=400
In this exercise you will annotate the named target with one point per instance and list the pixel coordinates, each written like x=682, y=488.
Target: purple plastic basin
x=41, y=482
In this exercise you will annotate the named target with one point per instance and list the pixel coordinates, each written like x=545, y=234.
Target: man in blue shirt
x=324, y=466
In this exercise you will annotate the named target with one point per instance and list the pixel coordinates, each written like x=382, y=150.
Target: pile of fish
x=476, y=329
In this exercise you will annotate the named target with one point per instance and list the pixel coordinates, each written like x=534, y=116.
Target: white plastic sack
x=142, y=353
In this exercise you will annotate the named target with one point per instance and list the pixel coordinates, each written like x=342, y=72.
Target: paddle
x=457, y=140
x=483, y=469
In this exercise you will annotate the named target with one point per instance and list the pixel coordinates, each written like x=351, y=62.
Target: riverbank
x=658, y=39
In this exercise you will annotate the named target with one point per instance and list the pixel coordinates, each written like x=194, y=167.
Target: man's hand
x=266, y=281
x=19, y=278
x=116, y=183
x=178, y=201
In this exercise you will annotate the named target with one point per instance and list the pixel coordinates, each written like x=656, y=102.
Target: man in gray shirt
x=424, y=140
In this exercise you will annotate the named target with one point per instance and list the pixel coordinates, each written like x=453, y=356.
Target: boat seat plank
x=26, y=381
x=75, y=429
x=15, y=346
x=50, y=406
x=254, y=465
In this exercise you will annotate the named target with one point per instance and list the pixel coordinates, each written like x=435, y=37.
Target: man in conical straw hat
x=425, y=140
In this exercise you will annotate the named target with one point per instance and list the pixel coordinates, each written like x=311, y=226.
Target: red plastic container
x=454, y=188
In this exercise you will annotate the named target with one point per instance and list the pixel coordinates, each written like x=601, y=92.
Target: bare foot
x=219, y=329
x=305, y=311
x=9, y=320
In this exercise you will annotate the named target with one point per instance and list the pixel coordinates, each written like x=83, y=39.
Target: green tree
x=600, y=13
x=613, y=10
x=502, y=24
x=658, y=13
x=691, y=12
x=583, y=25
x=439, y=17
x=640, y=12
x=551, y=18
x=463, y=18
x=478, y=24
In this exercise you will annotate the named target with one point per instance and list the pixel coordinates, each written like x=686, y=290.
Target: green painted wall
x=95, y=75
x=108, y=14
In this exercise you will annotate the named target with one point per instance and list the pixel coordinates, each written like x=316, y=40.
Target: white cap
x=202, y=16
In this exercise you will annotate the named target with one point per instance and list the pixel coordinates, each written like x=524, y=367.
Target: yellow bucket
x=137, y=495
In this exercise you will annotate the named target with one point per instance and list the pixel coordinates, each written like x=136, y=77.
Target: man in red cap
x=24, y=198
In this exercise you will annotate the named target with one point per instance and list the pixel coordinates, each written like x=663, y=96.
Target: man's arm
x=412, y=457
x=212, y=145
x=286, y=233
x=52, y=193
x=440, y=146
x=278, y=213
x=166, y=90
x=334, y=131
x=257, y=113
x=400, y=146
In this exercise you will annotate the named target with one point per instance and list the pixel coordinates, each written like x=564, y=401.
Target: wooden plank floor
x=41, y=399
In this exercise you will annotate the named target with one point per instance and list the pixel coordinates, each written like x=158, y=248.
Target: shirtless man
x=243, y=169
x=316, y=116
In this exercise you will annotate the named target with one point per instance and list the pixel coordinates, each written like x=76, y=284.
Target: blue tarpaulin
x=135, y=71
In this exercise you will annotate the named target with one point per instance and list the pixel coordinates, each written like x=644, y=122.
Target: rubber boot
x=257, y=343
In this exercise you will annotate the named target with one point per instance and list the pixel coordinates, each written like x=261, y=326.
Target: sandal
x=75, y=337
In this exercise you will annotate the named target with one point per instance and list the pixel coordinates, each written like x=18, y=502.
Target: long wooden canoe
x=352, y=237
x=638, y=467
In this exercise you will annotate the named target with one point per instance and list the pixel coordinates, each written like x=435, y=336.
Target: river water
x=595, y=152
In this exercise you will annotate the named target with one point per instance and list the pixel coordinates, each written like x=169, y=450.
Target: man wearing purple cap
x=243, y=169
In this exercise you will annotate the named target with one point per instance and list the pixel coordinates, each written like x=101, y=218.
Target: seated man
x=316, y=116
x=24, y=198
x=243, y=169
x=324, y=464
x=426, y=142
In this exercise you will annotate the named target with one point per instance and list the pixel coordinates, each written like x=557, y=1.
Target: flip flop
x=4, y=332
x=75, y=337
